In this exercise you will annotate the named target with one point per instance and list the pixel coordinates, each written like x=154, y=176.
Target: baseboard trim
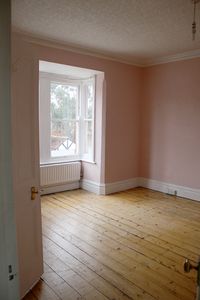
x=45, y=190
x=108, y=188
x=118, y=186
x=123, y=185
x=92, y=186
x=170, y=188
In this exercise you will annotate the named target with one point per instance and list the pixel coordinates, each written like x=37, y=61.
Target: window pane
x=64, y=112
x=89, y=101
x=88, y=139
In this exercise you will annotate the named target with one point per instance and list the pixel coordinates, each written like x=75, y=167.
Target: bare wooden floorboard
x=147, y=227
x=126, y=253
x=124, y=229
x=129, y=245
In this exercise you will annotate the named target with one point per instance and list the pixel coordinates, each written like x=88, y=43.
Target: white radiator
x=59, y=175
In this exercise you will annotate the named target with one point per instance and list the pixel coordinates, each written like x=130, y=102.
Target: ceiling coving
x=139, y=32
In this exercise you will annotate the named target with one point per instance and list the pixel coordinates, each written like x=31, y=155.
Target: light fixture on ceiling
x=194, y=19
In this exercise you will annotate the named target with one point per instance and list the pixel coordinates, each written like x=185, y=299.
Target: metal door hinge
x=11, y=276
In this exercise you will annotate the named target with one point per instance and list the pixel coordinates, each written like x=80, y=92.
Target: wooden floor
x=130, y=245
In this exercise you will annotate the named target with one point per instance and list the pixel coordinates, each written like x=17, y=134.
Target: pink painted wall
x=170, y=123
x=119, y=155
x=150, y=117
x=123, y=89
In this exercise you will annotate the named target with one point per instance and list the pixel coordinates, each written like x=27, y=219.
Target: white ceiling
x=136, y=31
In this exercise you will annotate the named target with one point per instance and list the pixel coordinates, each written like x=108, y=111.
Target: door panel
x=26, y=166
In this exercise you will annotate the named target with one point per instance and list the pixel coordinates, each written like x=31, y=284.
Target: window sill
x=89, y=161
x=67, y=162
x=59, y=162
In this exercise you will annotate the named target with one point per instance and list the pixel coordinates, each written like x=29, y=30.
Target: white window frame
x=45, y=123
x=85, y=156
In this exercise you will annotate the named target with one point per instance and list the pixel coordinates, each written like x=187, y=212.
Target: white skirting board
x=109, y=188
x=169, y=188
x=92, y=186
x=120, y=186
x=45, y=190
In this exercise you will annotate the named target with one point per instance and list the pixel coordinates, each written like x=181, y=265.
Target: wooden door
x=9, y=287
x=26, y=164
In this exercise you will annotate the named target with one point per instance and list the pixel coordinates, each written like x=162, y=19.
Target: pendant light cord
x=194, y=22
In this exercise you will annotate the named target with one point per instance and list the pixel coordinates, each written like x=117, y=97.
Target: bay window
x=66, y=113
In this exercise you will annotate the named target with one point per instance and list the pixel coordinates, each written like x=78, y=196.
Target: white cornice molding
x=173, y=58
x=62, y=46
x=38, y=40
